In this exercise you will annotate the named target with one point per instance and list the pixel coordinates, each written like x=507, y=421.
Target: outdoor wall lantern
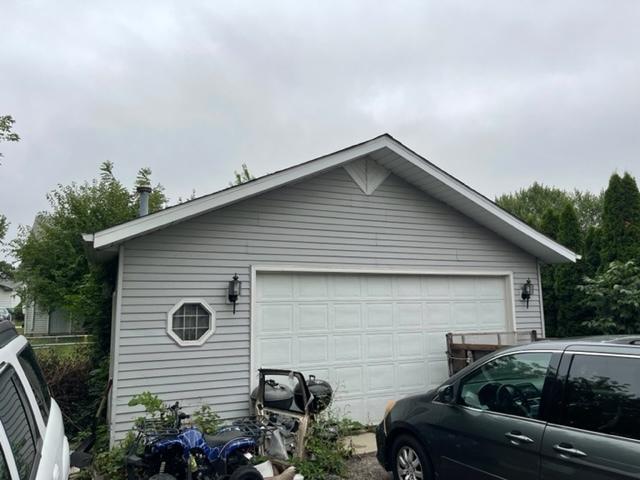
x=234, y=291
x=527, y=291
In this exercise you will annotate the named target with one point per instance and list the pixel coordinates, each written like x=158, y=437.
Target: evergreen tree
x=621, y=220
x=568, y=276
x=591, y=251
x=549, y=226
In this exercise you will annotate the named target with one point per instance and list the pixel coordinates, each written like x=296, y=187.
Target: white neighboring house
x=9, y=297
x=38, y=321
x=353, y=268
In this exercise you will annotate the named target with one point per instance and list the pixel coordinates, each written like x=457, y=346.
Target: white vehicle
x=33, y=445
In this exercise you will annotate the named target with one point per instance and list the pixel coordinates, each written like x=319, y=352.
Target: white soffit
x=385, y=155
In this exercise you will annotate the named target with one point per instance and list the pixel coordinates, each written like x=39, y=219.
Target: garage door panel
x=437, y=316
x=347, y=348
x=379, y=315
x=438, y=372
x=464, y=315
x=412, y=376
x=408, y=314
x=275, y=318
x=436, y=344
x=379, y=286
x=491, y=288
x=347, y=286
x=373, y=337
x=313, y=350
x=349, y=381
x=276, y=351
x=278, y=287
x=492, y=313
x=380, y=346
x=409, y=345
x=312, y=318
x=437, y=287
x=312, y=287
x=347, y=316
x=408, y=287
x=380, y=378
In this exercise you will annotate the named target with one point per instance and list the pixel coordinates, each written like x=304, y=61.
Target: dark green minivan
x=548, y=410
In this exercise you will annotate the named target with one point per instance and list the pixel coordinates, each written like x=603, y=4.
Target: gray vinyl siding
x=36, y=320
x=326, y=221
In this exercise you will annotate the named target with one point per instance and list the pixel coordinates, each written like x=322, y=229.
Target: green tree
x=6, y=130
x=621, y=220
x=530, y=204
x=614, y=295
x=591, y=250
x=243, y=176
x=567, y=277
x=549, y=226
x=6, y=269
x=53, y=265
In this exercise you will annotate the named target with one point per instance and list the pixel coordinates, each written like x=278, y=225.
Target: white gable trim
x=367, y=174
x=126, y=231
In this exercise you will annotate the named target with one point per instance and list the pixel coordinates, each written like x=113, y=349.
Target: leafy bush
x=206, y=420
x=615, y=297
x=326, y=451
x=75, y=383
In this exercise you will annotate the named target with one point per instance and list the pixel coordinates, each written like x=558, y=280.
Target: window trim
x=203, y=338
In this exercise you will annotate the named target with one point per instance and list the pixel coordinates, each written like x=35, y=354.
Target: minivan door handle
x=517, y=437
x=567, y=449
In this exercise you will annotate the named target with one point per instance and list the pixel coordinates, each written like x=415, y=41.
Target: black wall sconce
x=234, y=291
x=527, y=291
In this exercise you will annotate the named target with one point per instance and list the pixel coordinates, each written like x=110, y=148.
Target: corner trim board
x=116, y=346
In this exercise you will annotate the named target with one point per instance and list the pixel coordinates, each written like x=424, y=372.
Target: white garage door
x=373, y=337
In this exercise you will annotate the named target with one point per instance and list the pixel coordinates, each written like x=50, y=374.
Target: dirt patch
x=365, y=467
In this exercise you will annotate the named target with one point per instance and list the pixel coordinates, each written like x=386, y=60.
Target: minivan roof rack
x=7, y=332
x=628, y=340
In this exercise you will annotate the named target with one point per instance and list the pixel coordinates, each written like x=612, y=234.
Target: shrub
x=206, y=420
x=326, y=453
x=75, y=383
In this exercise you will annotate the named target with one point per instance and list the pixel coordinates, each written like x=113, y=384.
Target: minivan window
x=40, y=389
x=18, y=422
x=510, y=384
x=603, y=395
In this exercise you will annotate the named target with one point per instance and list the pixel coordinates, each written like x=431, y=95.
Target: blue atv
x=164, y=450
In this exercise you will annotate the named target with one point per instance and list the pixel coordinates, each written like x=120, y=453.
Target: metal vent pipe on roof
x=144, y=191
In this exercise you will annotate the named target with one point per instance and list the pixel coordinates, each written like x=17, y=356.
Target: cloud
x=498, y=93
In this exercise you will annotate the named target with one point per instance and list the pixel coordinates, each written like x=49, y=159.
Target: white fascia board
x=179, y=213
x=481, y=201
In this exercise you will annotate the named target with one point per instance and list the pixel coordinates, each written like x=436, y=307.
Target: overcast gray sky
x=498, y=93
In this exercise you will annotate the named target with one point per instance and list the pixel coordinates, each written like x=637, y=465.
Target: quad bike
x=165, y=450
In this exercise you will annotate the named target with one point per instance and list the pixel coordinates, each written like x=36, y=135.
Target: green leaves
x=242, y=176
x=53, y=264
x=6, y=130
x=614, y=295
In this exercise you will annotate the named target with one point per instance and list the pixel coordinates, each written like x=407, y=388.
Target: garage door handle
x=517, y=437
x=566, y=449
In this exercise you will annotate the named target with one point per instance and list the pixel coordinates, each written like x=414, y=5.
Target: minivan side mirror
x=445, y=394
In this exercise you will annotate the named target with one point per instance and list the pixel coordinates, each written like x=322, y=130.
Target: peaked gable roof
x=387, y=152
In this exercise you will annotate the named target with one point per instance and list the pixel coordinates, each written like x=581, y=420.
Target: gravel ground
x=366, y=467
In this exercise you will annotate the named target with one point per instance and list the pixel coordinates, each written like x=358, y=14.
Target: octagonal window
x=191, y=322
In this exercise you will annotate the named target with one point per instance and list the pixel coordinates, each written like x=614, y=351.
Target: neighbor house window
x=191, y=322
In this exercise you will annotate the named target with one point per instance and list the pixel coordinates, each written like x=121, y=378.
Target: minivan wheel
x=410, y=461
